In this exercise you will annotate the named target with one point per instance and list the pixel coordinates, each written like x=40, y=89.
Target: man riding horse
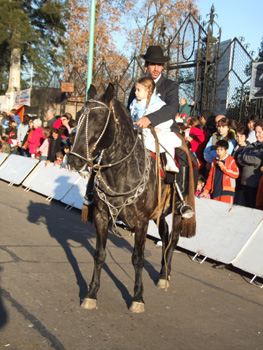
x=167, y=90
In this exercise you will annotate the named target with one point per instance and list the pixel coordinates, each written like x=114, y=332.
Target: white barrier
x=51, y=181
x=16, y=168
x=222, y=230
x=74, y=198
x=3, y=157
x=225, y=233
x=250, y=257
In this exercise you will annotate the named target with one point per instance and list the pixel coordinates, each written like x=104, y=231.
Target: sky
x=237, y=18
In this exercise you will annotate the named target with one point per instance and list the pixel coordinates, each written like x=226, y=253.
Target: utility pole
x=91, y=45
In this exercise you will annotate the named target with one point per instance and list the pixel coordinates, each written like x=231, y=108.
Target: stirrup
x=186, y=211
x=88, y=199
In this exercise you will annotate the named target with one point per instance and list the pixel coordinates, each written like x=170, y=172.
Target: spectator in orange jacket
x=221, y=181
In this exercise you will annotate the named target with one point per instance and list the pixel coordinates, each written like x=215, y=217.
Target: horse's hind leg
x=101, y=224
x=138, y=263
x=168, y=246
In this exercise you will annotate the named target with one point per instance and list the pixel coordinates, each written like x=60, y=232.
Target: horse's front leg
x=168, y=246
x=138, y=263
x=101, y=222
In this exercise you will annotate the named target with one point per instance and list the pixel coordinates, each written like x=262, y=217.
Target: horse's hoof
x=137, y=307
x=162, y=283
x=89, y=303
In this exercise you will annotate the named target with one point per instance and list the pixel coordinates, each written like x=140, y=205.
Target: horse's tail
x=189, y=225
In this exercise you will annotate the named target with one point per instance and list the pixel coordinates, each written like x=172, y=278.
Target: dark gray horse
x=126, y=187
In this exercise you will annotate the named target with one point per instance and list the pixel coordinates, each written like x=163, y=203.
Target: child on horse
x=146, y=102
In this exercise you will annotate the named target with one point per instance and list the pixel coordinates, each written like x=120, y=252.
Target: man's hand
x=143, y=122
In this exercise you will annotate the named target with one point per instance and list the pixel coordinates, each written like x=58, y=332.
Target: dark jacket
x=186, y=109
x=54, y=147
x=51, y=122
x=251, y=158
x=167, y=90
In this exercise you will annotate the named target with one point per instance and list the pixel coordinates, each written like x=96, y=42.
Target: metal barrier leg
x=254, y=283
x=199, y=262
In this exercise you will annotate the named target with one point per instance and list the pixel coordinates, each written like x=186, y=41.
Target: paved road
x=46, y=263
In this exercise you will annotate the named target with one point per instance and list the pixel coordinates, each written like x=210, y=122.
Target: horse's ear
x=92, y=92
x=109, y=93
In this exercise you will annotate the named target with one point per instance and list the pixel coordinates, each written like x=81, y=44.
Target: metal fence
x=215, y=75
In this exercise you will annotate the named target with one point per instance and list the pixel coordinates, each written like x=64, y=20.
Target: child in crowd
x=43, y=149
x=242, y=132
x=6, y=148
x=55, y=145
x=146, y=102
x=59, y=158
x=181, y=127
x=64, y=163
x=200, y=187
x=178, y=118
x=73, y=126
x=64, y=134
x=197, y=137
x=11, y=132
x=223, y=133
x=221, y=181
x=251, y=121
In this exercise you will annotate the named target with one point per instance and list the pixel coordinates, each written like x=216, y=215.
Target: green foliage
x=37, y=27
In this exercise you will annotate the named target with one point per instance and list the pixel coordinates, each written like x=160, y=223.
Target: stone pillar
x=14, y=77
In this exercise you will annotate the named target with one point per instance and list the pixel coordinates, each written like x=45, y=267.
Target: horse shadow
x=3, y=312
x=66, y=226
x=122, y=243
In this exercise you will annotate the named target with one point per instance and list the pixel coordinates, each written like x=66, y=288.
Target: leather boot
x=181, y=187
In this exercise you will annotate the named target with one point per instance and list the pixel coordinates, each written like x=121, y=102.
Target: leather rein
x=84, y=119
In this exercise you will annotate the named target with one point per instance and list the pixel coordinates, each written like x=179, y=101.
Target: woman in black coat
x=56, y=145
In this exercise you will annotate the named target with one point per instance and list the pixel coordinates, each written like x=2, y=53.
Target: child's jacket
x=230, y=173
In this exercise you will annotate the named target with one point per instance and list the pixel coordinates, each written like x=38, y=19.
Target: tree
x=138, y=21
x=155, y=20
x=107, y=26
x=35, y=29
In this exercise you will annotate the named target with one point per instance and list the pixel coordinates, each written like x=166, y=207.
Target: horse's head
x=95, y=130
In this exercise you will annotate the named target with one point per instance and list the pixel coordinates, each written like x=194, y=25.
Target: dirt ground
x=46, y=262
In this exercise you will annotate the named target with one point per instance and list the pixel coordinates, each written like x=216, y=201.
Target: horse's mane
x=122, y=112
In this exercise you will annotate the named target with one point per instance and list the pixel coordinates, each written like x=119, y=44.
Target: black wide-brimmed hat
x=155, y=54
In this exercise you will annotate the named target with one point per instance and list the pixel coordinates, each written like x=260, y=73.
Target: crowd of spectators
x=229, y=171
x=30, y=138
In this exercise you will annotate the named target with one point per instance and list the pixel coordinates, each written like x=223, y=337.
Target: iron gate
x=213, y=74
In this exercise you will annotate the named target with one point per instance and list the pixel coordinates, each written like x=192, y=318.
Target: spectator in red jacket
x=36, y=139
x=197, y=137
